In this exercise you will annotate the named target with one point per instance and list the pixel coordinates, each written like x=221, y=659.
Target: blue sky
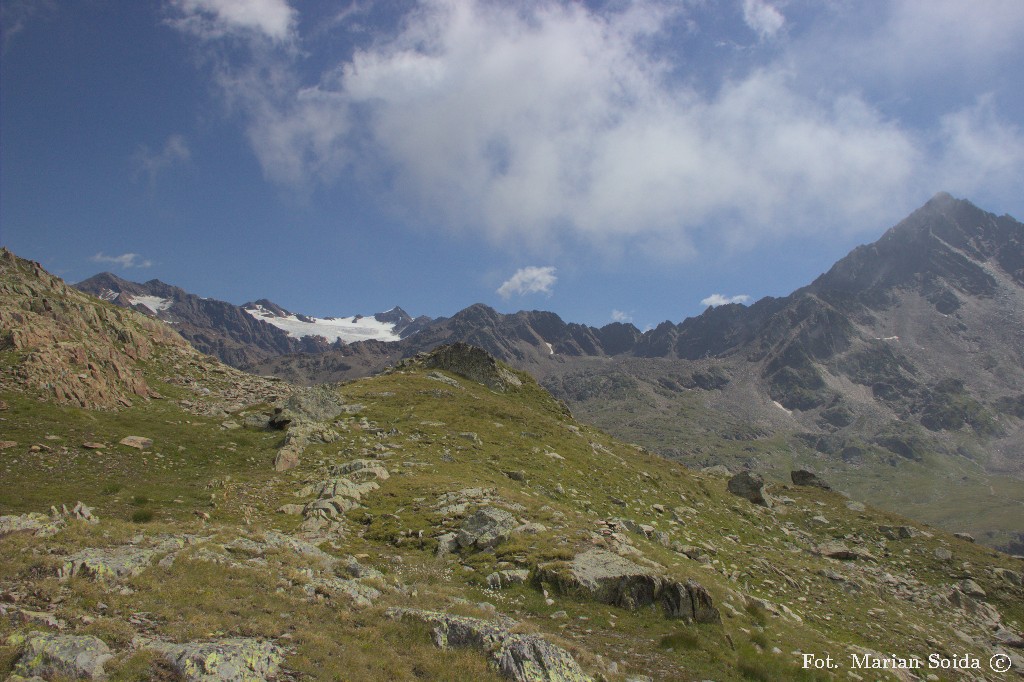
x=603, y=160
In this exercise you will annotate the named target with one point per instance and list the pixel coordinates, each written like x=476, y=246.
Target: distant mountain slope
x=906, y=357
x=247, y=334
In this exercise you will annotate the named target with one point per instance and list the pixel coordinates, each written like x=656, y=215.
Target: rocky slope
x=899, y=371
x=448, y=519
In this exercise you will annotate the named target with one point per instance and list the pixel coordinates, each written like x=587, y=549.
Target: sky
x=605, y=160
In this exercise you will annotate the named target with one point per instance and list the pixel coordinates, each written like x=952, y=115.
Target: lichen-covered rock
x=488, y=527
x=352, y=591
x=237, y=659
x=76, y=656
x=518, y=657
x=312, y=404
x=32, y=522
x=749, y=486
x=108, y=563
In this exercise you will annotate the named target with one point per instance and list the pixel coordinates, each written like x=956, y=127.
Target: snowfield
x=348, y=329
x=154, y=303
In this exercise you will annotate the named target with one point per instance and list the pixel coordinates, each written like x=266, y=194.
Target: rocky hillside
x=446, y=520
x=899, y=371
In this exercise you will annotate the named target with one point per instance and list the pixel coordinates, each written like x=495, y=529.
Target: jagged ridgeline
x=447, y=520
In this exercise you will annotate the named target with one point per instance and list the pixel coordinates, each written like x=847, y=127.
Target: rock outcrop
x=518, y=657
x=47, y=655
x=608, y=578
x=237, y=659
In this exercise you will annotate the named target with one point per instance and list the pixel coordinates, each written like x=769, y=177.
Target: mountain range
x=898, y=372
x=164, y=516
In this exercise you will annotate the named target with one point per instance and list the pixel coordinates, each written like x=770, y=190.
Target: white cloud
x=210, y=19
x=719, y=299
x=125, y=260
x=151, y=163
x=529, y=280
x=982, y=152
x=543, y=123
x=619, y=316
x=762, y=17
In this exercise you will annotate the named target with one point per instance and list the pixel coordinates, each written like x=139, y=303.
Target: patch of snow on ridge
x=154, y=303
x=348, y=329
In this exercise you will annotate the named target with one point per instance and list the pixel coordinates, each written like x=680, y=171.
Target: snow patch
x=887, y=338
x=108, y=295
x=347, y=329
x=154, y=303
x=551, y=349
x=777, y=404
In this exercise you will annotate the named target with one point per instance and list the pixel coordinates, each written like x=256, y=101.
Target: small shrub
x=142, y=515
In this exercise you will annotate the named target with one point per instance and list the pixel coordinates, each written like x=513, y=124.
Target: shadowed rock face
x=749, y=486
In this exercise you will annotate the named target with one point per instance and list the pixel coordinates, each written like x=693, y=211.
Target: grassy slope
x=228, y=474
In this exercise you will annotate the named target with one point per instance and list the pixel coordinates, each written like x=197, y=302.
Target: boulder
x=897, y=532
x=689, y=601
x=108, y=563
x=236, y=659
x=316, y=404
x=518, y=657
x=749, y=486
x=74, y=656
x=608, y=578
x=488, y=527
x=835, y=549
x=804, y=477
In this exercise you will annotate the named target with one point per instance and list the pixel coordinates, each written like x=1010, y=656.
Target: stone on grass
x=108, y=563
x=237, y=659
x=518, y=657
x=608, y=578
x=137, y=442
x=749, y=486
x=488, y=527
x=76, y=656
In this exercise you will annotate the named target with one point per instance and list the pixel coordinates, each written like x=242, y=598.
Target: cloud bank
x=529, y=280
x=544, y=123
